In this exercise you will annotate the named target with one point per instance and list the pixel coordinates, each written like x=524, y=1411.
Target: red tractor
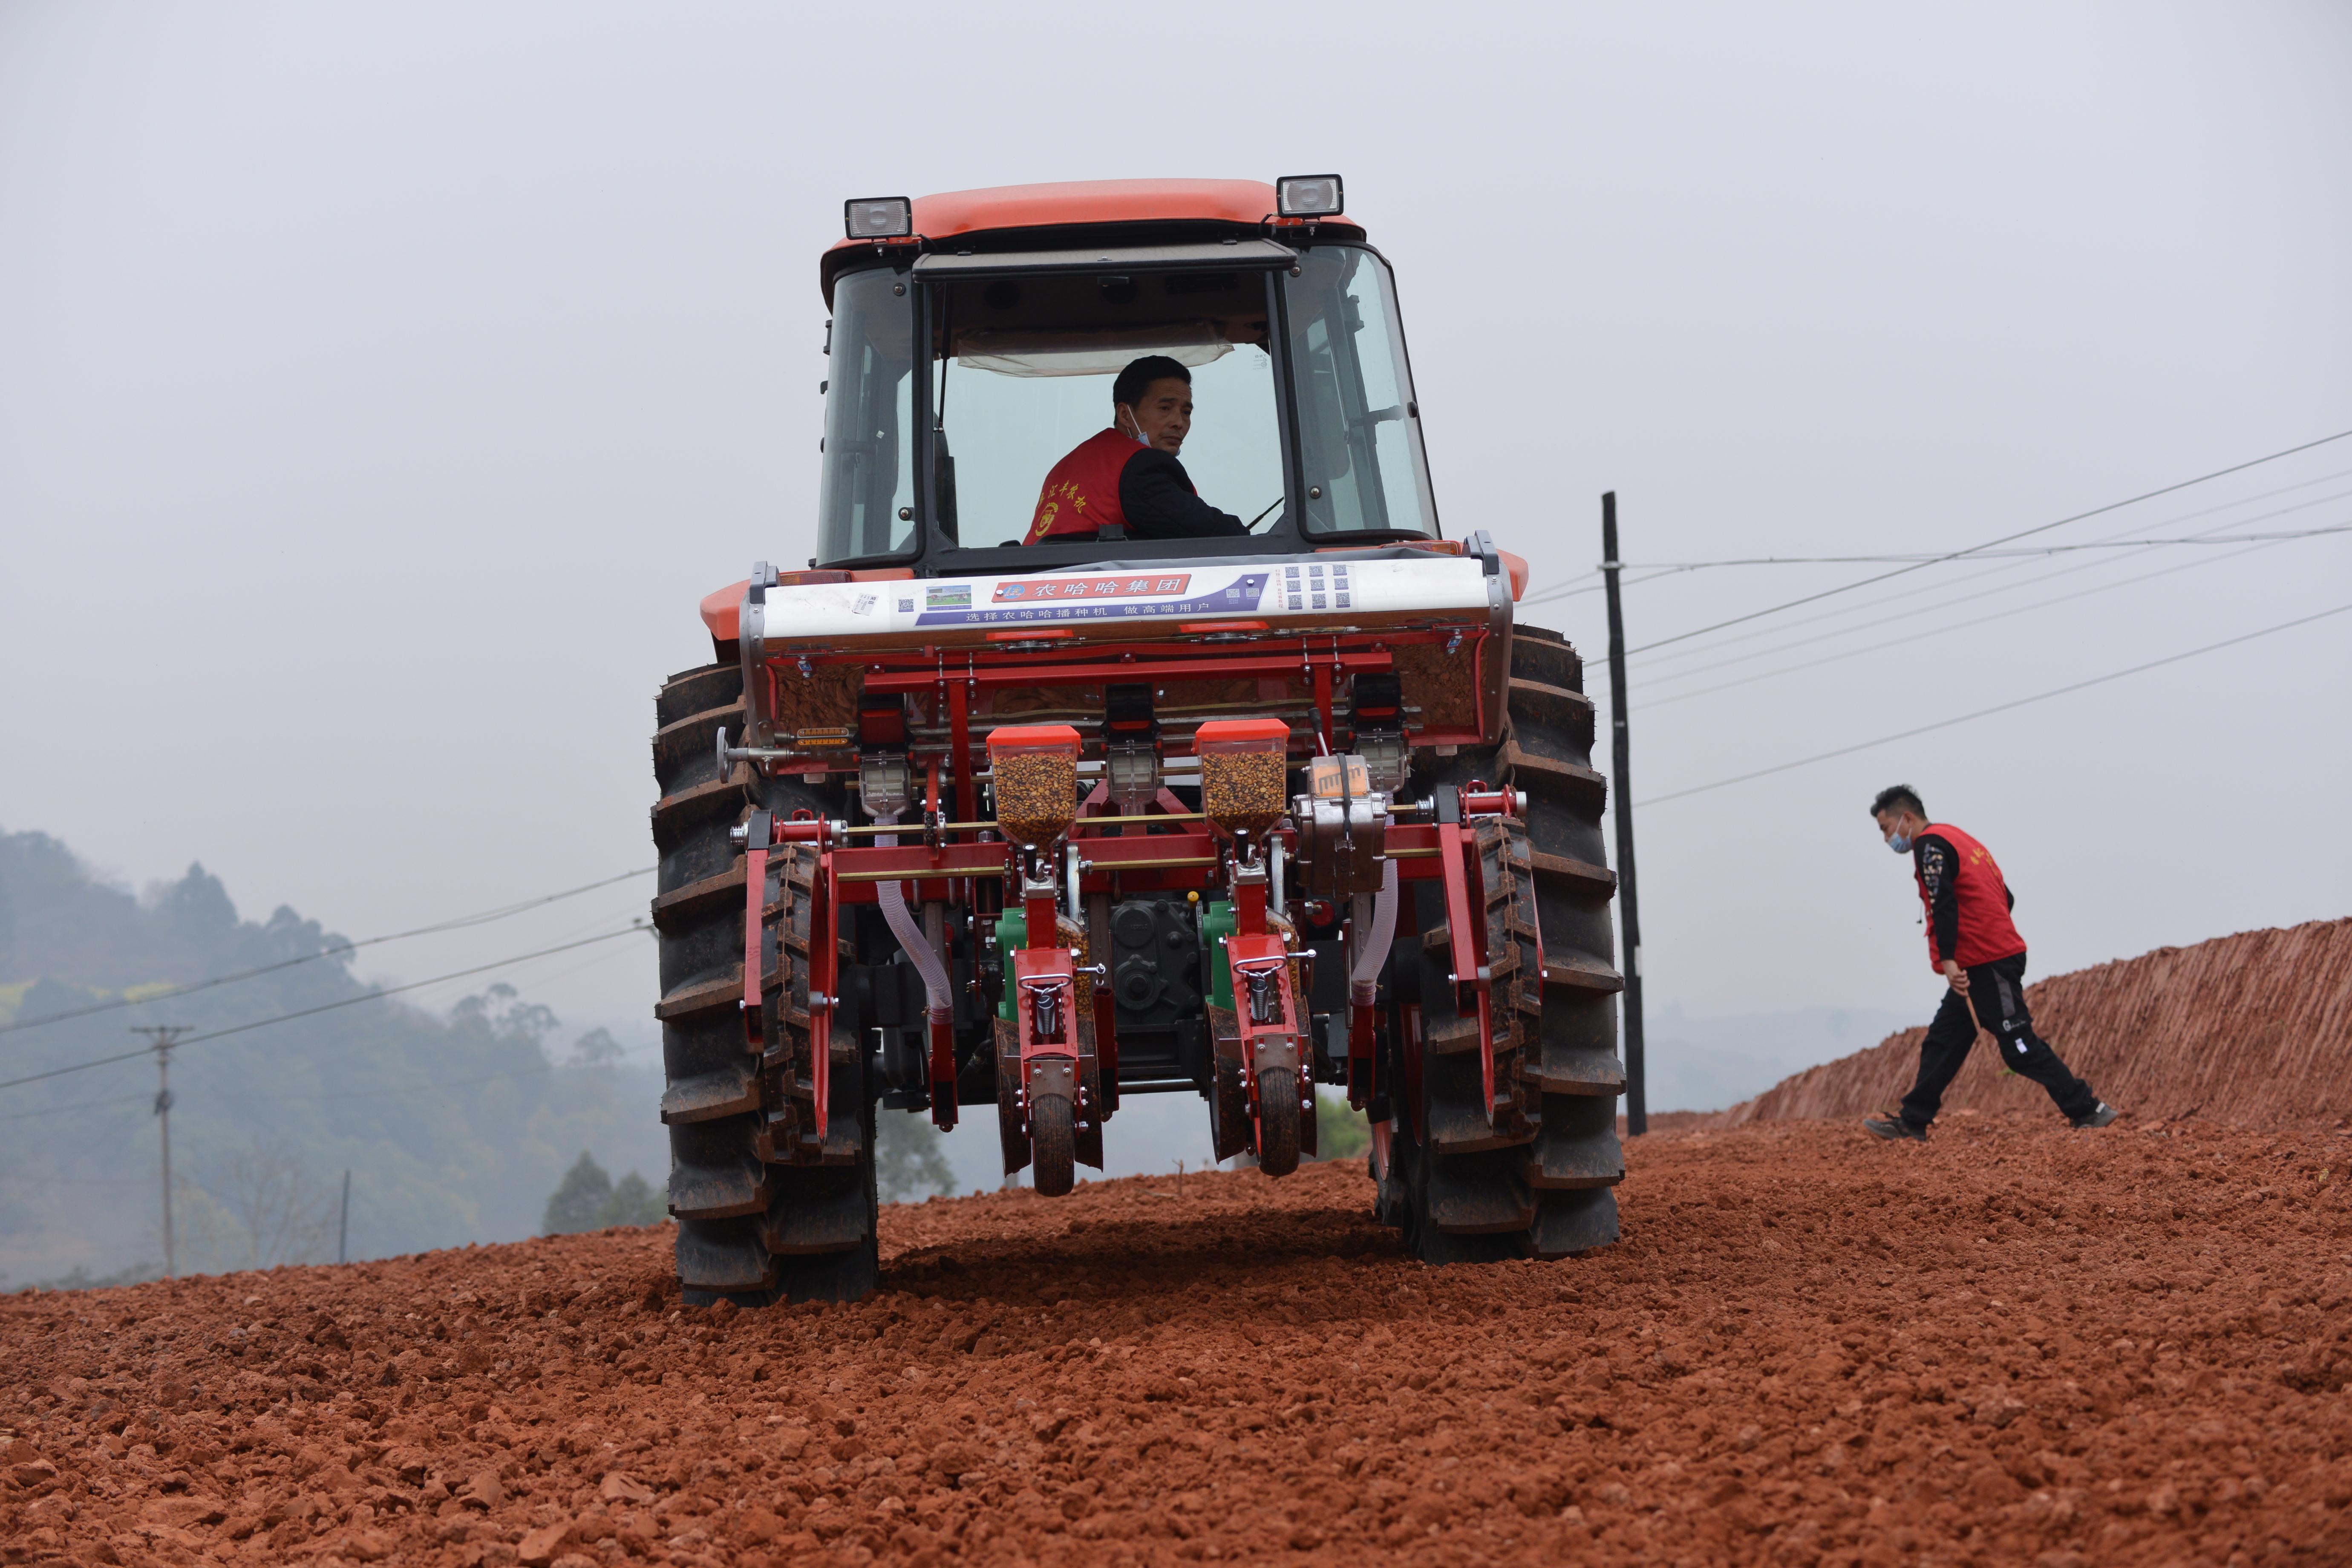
x=976, y=814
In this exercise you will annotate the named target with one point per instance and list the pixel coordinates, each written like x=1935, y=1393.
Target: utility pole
x=163, y=1038
x=1628, y=909
x=343, y=1225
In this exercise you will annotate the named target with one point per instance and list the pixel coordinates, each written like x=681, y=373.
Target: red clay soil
x=2253, y=1029
x=2015, y=1344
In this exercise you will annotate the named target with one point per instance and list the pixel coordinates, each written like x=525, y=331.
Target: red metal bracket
x=959, y=739
x=1249, y=906
x=1466, y=936
x=1454, y=847
x=825, y=983
x=1265, y=1013
x=755, y=889
x=1045, y=999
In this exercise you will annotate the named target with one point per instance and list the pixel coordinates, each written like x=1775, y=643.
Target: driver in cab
x=1128, y=475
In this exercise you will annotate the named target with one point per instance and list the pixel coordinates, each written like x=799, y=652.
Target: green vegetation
x=1340, y=1133
x=588, y=1199
x=455, y=1126
x=908, y=1163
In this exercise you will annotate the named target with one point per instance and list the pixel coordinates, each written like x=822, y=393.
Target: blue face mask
x=1900, y=843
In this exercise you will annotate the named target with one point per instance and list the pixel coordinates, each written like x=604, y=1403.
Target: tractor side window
x=1358, y=433
x=869, y=453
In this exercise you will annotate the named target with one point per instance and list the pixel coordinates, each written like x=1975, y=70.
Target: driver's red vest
x=1986, y=930
x=1081, y=494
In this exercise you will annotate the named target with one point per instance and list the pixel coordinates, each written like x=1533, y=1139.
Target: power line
x=1704, y=651
x=2037, y=551
x=1563, y=590
x=414, y=1089
x=425, y=1087
x=328, y=1007
x=1970, y=625
x=1976, y=549
x=344, y=1094
x=460, y=924
x=1987, y=712
x=2233, y=504
x=1549, y=596
x=1657, y=569
x=78, y=1105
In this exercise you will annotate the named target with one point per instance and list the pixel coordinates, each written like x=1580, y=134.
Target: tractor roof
x=1082, y=212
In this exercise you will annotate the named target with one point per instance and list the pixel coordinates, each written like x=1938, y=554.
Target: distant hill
x=457, y=1127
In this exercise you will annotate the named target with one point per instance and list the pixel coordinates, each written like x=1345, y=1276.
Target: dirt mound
x=2015, y=1344
x=2255, y=1030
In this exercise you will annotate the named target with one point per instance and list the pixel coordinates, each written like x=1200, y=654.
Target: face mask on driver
x=1900, y=843
x=1134, y=427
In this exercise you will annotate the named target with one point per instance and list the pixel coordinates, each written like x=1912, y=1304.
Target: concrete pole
x=1620, y=783
x=163, y=1038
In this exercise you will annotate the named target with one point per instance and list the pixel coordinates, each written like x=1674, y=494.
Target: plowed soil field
x=2015, y=1344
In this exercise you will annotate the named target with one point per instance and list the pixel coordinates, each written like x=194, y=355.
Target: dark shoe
x=1894, y=1128
x=2100, y=1116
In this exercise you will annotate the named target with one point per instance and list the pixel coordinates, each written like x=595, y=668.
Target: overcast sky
x=382, y=387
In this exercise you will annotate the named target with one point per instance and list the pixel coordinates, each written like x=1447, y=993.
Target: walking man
x=1972, y=944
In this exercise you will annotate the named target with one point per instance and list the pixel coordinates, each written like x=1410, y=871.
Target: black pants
x=1998, y=991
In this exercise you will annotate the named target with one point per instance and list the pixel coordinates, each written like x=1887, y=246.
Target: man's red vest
x=1081, y=494
x=1986, y=930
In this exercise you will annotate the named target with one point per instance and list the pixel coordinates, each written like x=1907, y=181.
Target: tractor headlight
x=1308, y=195
x=879, y=217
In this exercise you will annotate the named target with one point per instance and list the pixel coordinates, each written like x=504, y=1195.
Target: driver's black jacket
x=1160, y=502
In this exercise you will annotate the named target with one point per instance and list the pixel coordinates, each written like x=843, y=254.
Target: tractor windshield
x=1359, y=428
x=1028, y=371
x=1021, y=372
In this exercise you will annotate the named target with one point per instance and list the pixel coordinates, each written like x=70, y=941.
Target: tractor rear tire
x=1277, y=1121
x=1535, y=1173
x=752, y=1229
x=1054, y=1134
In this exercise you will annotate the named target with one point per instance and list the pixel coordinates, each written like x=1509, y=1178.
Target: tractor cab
x=975, y=338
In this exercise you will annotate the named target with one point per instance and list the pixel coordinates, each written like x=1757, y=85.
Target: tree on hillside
x=596, y=1048
x=634, y=1201
x=502, y=1013
x=907, y=1162
x=259, y=1208
x=60, y=922
x=450, y=1121
x=579, y=1199
x=588, y=1199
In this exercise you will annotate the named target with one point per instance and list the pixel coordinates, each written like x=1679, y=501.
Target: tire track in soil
x=2014, y=1344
